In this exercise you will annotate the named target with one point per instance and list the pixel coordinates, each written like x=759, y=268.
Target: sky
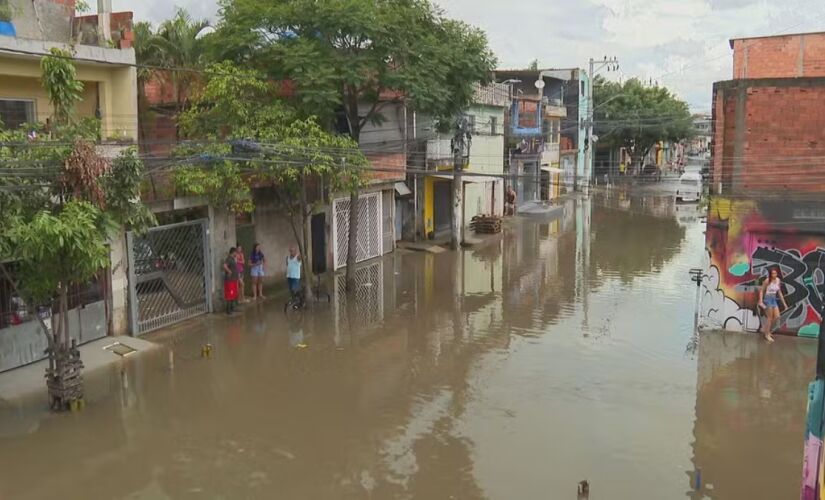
x=682, y=44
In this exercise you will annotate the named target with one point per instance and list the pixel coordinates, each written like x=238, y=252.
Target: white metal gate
x=367, y=298
x=168, y=275
x=369, y=237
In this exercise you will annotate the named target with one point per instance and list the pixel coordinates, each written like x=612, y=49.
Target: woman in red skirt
x=230, y=281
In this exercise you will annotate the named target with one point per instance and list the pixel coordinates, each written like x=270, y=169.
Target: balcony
x=555, y=108
x=494, y=94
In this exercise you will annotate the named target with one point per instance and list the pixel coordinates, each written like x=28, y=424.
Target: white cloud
x=681, y=43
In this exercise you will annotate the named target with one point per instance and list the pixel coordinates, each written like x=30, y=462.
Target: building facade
x=767, y=172
x=482, y=182
x=110, y=95
x=547, y=138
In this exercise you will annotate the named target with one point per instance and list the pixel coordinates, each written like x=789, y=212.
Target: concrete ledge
x=29, y=379
x=82, y=53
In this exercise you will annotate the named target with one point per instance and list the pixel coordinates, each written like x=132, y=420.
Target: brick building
x=768, y=167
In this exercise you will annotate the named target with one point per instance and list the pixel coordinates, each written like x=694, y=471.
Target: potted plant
x=6, y=26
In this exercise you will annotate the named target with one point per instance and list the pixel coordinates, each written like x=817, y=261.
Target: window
x=493, y=125
x=583, y=93
x=471, y=122
x=14, y=113
x=555, y=128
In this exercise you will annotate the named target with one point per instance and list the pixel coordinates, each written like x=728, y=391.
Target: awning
x=401, y=189
x=468, y=179
x=554, y=170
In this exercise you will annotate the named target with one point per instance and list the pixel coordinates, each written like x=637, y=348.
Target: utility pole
x=612, y=64
x=461, y=138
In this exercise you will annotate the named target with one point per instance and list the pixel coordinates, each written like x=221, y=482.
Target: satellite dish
x=539, y=84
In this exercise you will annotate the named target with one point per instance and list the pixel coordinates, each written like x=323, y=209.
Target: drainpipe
x=104, y=21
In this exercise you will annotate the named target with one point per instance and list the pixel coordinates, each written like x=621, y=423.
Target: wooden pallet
x=486, y=224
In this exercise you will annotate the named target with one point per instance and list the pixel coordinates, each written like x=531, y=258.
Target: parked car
x=690, y=187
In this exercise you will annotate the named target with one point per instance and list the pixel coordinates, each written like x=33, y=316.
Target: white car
x=690, y=187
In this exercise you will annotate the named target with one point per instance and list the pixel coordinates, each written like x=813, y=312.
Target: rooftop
x=820, y=33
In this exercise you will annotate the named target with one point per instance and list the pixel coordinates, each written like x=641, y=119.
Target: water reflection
x=515, y=369
x=750, y=415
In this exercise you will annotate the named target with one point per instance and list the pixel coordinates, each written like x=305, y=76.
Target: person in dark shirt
x=230, y=281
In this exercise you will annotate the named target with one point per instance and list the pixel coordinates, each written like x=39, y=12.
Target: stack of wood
x=486, y=224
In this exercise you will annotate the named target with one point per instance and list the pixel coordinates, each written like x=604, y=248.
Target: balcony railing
x=494, y=94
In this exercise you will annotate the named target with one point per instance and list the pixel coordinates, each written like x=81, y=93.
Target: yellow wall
x=429, y=224
x=114, y=86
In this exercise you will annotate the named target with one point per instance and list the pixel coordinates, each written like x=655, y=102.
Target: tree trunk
x=352, y=240
x=306, y=257
x=351, y=98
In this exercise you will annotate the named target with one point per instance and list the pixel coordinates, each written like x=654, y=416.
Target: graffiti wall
x=744, y=240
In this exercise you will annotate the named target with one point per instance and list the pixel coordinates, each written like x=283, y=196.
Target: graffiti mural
x=743, y=245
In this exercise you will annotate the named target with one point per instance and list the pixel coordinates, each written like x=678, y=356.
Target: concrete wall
x=384, y=144
x=745, y=239
x=274, y=233
x=49, y=20
x=765, y=133
x=779, y=57
x=222, y=237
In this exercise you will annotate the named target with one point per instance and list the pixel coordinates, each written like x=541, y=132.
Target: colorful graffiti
x=744, y=240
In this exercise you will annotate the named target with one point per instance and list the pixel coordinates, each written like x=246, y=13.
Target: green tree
x=59, y=78
x=273, y=148
x=178, y=45
x=356, y=57
x=62, y=204
x=636, y=117
x=352, y=54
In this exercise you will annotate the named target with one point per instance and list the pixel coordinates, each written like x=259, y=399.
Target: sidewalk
x=30, y=379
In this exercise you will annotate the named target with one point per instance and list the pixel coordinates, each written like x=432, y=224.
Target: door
x=370, y=233
x=442, y=207
x=319, y=243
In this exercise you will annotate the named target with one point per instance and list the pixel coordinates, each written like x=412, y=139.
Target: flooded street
x=514, y=370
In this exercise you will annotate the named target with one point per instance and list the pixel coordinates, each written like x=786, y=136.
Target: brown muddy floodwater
x=508, y=371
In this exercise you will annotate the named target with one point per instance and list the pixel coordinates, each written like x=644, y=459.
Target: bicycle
x=298, y=301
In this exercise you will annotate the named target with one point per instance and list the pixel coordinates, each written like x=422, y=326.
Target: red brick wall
x=779, y=57
x=783, y=145
x=390, y=166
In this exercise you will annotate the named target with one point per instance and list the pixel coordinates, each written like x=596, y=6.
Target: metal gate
x=369, y=237
x=168, y=275
x=368, y=298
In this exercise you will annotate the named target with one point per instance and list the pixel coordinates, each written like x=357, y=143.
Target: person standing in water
x=230, y=281
x=240, y=258
x=257, y=261
x=293, y=270
x=770, y=293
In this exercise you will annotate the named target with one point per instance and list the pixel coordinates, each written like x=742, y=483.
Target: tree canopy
x=62, y=201
x=245, y=137
x=635, y=116
x=351, y=55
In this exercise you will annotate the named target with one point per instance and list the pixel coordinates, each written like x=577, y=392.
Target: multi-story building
x=482, y=180
x=546, y=136
x=104, y=59
x=767, y=157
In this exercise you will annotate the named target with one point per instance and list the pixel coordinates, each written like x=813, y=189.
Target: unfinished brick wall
x=779, y=56
x=769, y=135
